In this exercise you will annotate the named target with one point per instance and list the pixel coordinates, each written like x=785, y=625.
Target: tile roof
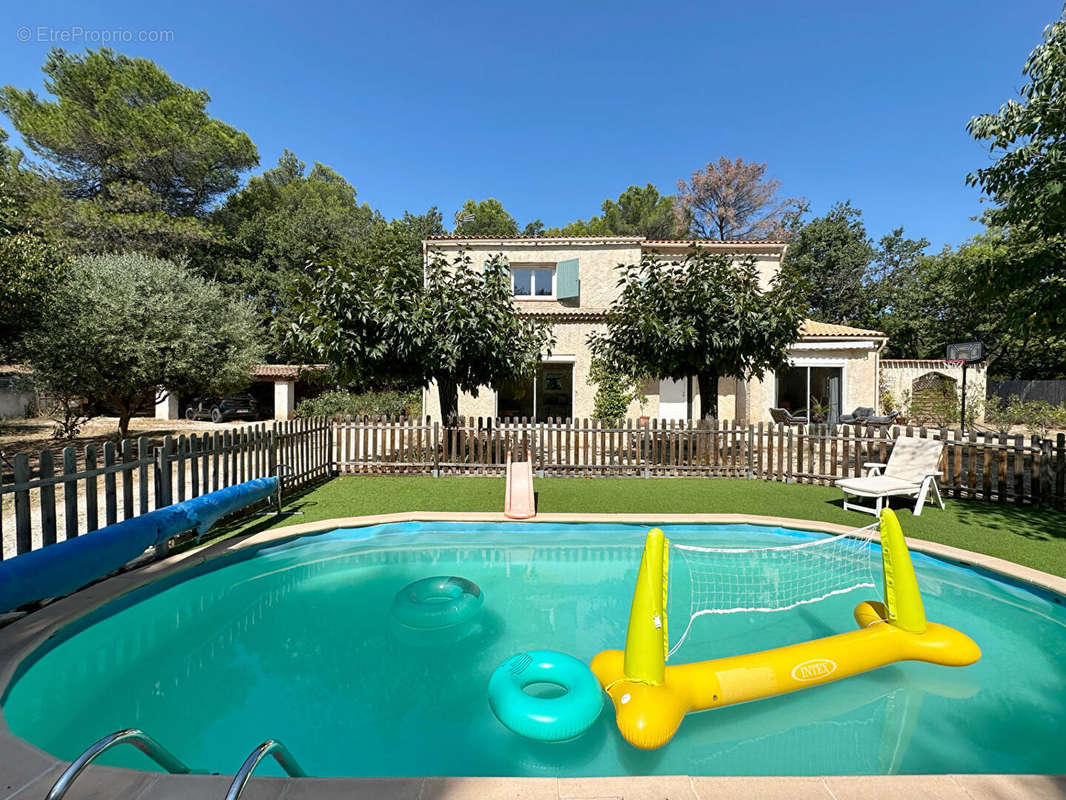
x=812, y=328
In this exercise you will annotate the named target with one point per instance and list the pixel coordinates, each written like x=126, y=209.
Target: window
x=533, y=282
x=813, y=392
x=548, y=395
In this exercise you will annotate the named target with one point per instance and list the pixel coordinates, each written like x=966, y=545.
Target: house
x=571, y=281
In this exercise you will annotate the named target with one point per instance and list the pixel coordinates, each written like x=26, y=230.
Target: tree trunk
x=708, y=383
x=124, y=416
x=448, y=393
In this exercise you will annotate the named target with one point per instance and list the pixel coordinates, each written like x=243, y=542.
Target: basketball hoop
x=963, y=354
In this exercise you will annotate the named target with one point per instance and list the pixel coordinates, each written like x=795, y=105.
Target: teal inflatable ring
x=547, y=719
x=437, y=602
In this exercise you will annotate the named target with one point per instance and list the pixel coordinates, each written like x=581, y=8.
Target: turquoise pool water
x=294, y=641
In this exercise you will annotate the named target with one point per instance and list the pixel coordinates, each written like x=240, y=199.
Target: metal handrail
x=270, y=747
x=138, y=738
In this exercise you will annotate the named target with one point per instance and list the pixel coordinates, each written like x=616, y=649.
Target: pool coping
x=28, y=772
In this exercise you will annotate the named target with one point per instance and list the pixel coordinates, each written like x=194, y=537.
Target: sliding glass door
x=549, y=395
x=812, y=392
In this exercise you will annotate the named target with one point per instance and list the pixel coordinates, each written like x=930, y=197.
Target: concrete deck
x=27, y=773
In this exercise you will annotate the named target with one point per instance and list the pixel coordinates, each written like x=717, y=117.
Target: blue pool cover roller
x=64, y=567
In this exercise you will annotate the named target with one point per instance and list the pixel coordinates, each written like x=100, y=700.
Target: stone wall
x=898, y=377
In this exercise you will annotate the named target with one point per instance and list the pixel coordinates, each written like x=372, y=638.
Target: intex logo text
x=814, y=669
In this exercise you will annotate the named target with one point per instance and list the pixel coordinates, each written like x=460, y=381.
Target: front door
x=673, y=399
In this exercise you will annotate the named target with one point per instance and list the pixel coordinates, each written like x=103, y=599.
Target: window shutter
x=567, y=280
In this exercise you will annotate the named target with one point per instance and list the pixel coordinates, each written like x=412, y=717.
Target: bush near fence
x=990, y=466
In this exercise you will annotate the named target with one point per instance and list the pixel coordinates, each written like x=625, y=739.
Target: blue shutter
x=567, y=280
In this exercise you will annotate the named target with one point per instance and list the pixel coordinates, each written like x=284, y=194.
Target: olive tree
x=704, y=315
x=119, y=327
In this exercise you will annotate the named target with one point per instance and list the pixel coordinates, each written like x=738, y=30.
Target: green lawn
x=1035, y=537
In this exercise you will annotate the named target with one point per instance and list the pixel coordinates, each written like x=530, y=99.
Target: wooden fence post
x=46, y=470
x=166, y=488
x=23, y=535
x=91, y=512
x=70, y=492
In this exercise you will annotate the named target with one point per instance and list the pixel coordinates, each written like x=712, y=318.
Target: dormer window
x=533, y=282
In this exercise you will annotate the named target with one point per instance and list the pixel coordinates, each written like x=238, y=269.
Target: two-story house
x=571, y=281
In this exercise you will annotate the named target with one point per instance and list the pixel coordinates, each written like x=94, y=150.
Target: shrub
x=1036, y=416
x=341, y=402
x=614, y=393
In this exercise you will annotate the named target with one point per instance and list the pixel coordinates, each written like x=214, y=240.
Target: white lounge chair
x=911, y=471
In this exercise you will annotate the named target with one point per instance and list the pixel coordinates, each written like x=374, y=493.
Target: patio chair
x=860, y=414
x=783, y=416
x=911, y=471
x=883, y=421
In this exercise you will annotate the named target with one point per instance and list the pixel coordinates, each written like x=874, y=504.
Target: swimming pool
x=294, y=641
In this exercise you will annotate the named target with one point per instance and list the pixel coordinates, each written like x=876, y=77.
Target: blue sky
x=553, y=106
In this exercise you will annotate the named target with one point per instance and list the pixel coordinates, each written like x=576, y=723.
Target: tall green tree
x=941, y=301
x=120, y=327
x=638, y=211
x=379, y=319
x=276, y=224
x=1027, y=184
x=831, y=257
x=134, y=157
x=29, y=266
x=705, y=316
x=485, y=218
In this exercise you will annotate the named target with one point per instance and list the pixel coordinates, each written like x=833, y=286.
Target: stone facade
x=850, y=352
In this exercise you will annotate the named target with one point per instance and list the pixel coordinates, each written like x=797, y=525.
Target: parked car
x=219, y=409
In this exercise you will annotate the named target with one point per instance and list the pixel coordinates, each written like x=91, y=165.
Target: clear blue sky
x=553, y=106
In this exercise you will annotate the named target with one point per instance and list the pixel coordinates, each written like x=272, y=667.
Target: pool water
x=294, y=641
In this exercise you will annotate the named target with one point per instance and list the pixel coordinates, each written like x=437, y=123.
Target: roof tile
x=811, y=327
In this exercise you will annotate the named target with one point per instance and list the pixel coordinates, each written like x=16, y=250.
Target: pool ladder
x=171, y=763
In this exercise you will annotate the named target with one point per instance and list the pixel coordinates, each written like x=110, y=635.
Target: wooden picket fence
x=990, y=466
x=43, y=502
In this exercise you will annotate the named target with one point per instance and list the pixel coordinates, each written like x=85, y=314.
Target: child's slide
x=518, y=500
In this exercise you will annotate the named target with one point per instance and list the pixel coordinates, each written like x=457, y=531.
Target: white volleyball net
x=731, y=580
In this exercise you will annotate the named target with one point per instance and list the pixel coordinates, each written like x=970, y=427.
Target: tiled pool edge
x=27, y=772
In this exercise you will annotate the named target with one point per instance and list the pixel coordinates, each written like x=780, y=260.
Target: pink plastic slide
x=518, y=501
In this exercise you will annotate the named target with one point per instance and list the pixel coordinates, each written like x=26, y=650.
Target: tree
x=942, y=301
x=734, y=200
x=485, y=218
x=639, y=211
x=377, y=318
x=134, y=156
x=831, y=257
x=29, y=266
x=1027, y=183
x=279, y=222
x=120, y=327
x=705, y=316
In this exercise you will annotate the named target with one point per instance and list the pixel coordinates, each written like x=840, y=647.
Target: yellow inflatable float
x=651, y=698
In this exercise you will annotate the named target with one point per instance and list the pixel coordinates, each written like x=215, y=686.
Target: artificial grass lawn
x=1031, y=536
